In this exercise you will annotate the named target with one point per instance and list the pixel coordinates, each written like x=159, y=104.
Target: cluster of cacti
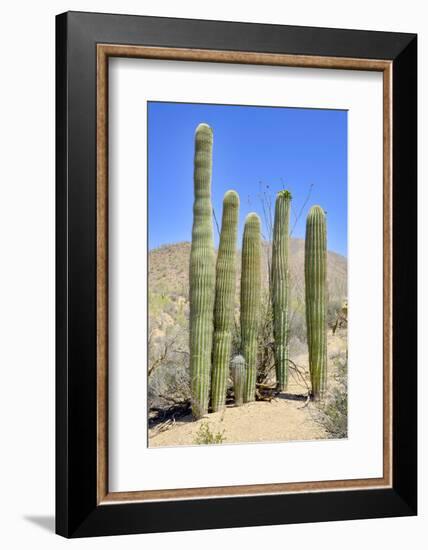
x=224, y=300
x=202, y=274
x=212, y=293
x=280, y=286
x=250, y=301
x=315, y=289
x=238, y=376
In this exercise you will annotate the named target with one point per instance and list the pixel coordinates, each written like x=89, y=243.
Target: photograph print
x=247, y=274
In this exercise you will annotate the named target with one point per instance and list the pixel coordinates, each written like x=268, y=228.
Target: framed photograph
x=236, y=274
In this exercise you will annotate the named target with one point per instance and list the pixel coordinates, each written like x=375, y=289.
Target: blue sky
x=255, y=149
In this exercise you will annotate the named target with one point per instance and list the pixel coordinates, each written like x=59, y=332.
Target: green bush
x=204, y=436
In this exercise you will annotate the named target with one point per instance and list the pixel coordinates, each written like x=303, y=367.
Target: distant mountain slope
x=169, y=270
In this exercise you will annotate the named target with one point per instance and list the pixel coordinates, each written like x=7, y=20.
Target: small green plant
x=204, y=436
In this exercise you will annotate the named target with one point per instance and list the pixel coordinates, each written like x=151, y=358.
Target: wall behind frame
x=27, y=247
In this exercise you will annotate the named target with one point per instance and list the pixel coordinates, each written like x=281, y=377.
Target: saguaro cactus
x=238, y=377
x=202, y=274
x=224, y=300
x=250, y=300
x=315, y=289
x=280, y=286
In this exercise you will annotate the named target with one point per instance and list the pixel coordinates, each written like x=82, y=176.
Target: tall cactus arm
x=316, y=294
x=224, y=300
x=250, y=300
x=202, y=274
x=281, y=286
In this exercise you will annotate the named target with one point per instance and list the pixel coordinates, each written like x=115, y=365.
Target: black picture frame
x=77, y=511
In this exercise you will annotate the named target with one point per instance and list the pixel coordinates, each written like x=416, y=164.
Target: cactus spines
x=315, y=289
x=238, y=377
x=250, y=301
x=202, y=274
x=224, y=300
x=280, y=286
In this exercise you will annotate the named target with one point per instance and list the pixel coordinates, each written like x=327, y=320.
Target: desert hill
x=169, y=270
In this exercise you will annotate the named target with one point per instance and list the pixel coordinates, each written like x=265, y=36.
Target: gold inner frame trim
x=104, y=51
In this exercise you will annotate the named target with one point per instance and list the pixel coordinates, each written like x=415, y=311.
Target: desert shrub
x=169, y=385
x=333, y=309
x=297, y=346
x=265, y=354
x=182, y=315
x=335, y=415
x=168, y=368
x=332, y=412
x=157, y=303
x=298, y=325
x=204, y=436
